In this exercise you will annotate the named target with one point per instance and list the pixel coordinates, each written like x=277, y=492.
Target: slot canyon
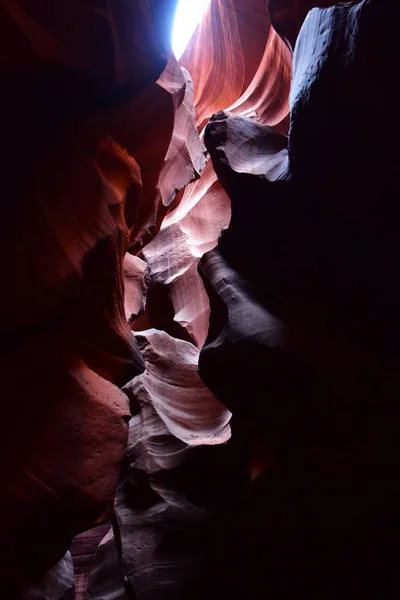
x=201, y=340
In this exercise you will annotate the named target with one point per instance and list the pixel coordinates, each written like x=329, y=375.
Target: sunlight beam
x=188, y=15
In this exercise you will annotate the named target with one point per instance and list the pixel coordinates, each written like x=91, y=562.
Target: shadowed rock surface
x=78, y=91
x=313, y=241
x=176, y=478
x=110, y=204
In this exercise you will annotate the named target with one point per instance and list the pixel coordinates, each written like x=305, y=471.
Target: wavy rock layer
x=318, y=235
x=171, y=384
x=238, y=63
x=245, y=339
x=55, y=458
x=167, y=540
x=100, y=131
x=83, y=549
x=106, y=580
x=177, y=479
x=109, y=136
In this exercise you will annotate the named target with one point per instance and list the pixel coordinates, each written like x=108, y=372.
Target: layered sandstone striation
x=121, y=170
x=99, y=129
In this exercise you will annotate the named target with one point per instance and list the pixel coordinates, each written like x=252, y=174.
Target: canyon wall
x=200, y=333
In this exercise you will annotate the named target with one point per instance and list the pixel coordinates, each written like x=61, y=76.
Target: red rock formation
x=60, y=466
x=177, y=303
x=100, y=135
x=136, y=280
x=76, y=200
x=238, y=41
x=82, y=550
x=110, y=124
x=238, y=62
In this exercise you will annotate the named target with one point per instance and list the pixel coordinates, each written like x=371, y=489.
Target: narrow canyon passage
x=200, y=339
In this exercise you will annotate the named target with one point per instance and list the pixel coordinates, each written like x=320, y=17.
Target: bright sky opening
x=188, y=15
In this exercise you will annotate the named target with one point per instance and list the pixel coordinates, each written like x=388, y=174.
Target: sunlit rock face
x=237, y=62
